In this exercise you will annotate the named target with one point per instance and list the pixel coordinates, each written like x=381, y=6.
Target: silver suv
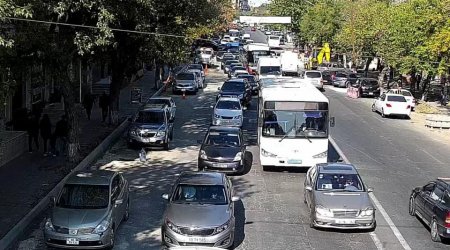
x=200, y=211
x=88, y=210
x=337, y=198
x=152, y=126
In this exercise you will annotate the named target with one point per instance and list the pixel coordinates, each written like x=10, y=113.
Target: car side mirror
x=332, y=121
x=308, y=188
x=218, y=88
x=53, y=200
x=165, y=196
x=235, y=198
x=369, y=190
x=118, y=202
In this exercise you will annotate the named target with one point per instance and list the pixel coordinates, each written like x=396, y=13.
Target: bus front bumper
x=292, y=161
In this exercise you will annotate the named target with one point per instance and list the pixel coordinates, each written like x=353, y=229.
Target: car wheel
x=171, y=135
x=112, y=239
x=126, y=216
x=166, y=145
x=382, y=113
x=373, y=108
x=412, y=206
x=434, y=231
x=311, y=219
x=200, y=169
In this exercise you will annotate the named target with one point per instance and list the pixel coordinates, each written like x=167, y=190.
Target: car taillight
x=414, y=101
x=388, y=105
x=408, y=107
x=447, y=220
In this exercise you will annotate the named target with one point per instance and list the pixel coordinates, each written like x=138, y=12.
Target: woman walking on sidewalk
x=45, y=128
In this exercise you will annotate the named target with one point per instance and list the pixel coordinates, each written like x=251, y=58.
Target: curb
x=11, y=237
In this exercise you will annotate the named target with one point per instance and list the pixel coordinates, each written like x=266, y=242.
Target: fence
x=438, y=121
x=12, y=144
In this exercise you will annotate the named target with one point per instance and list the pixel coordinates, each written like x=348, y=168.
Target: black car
x=223, y=150
x=240, y=88
x=368, y=87
x=431, y=203
x=327, y=77
x=252, y=80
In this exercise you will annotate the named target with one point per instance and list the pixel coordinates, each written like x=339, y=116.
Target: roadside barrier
x=438, y=121
x=352, y=92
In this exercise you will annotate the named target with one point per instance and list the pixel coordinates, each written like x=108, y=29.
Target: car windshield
x=250, y=78
x=233, y=105
x=185, y=76
x=159, y=101
x=317, y=75
x=222, y=139
x=270, y=70
x=238, y=68
x=396, y=98
x=229, y=62
x=195, y=66
x=156, y=117
x=339, y=182
x=233, y=86
x=369, y=83
x=339, y=75
x=295, y=119
x=78, y=196
x=208, y=194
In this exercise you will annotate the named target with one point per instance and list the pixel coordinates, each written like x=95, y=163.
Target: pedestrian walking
x=33, y=132
x=60, y=136
x=88, y=103
x=45, y=128
x=104, y=105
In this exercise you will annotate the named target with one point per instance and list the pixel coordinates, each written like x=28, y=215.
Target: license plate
x=220, y=165
x=345, y=221
x=370, y=93
x=72, y=241
x=197, y=239
x=294, y=161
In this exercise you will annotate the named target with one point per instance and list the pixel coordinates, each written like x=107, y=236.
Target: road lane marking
x=383, y=212
x=432, y=156
x=376, y=240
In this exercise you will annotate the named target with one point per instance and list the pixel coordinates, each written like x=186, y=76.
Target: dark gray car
x=200, y=211
x=337, y=198
x=88, y=210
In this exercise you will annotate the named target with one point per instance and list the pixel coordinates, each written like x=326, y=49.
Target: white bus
x=293, y=126
x=273, y=41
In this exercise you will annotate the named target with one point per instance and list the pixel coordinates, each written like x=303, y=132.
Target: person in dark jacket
x=88, y=103
x=104, y=105
x=33, y=132
x=45, y=128
x=60, y=136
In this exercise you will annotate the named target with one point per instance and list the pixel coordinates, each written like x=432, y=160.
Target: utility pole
x=353, y=36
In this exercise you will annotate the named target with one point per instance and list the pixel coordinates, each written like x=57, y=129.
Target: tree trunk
x=118, y=76
x=426, y=82
x=366, y=69
x=72, y=111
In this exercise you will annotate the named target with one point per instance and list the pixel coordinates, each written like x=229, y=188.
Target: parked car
x=88, y=210
x=431, y=203
x=199, y=77
x=185, y=81
x=239, y=88
x=337, y=198
x=392, y=104
x=165, y=100
x=252, y=80
x=228, y=112
x=368, y=87
x=342, y=79
x=407, y=94
x=151, y=126
x=200, y=210
x=223, y=149
x=314, y=77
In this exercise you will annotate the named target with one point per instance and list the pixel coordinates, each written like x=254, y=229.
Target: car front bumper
x=187, y=89
x=345, y=223
x=86, y=241
x=227, y=122
x=225, y=167
x=224, y=239
x=149, y=141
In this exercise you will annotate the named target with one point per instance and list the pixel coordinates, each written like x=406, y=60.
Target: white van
x=273, y=41
x=289, y=63
x=268, y=67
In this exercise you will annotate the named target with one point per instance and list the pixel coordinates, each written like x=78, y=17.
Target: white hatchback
x=228, y=112
x=392, y=104
x=408, y=96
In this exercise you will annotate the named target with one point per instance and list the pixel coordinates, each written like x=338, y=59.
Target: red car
x=253, y=29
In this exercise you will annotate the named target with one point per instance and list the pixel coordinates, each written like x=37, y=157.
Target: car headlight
x=161, y=134
x=240, y=96
x=367, y=212
x=267, y=153
x=237, y=117
x=49, y=225
x=222, y=227
x=172, y=226
x=321, y=155
x=320, y=210
x=238, y=157
x=216, y=116
x=203, y=155
x=133, y=131
x=102, y=227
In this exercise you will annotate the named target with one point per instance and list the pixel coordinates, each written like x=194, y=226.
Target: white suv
x=314, y=77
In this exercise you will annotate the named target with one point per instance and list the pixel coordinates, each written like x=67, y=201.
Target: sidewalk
x=25, y=180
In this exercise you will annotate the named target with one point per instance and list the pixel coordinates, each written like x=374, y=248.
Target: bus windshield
x=295, y=123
